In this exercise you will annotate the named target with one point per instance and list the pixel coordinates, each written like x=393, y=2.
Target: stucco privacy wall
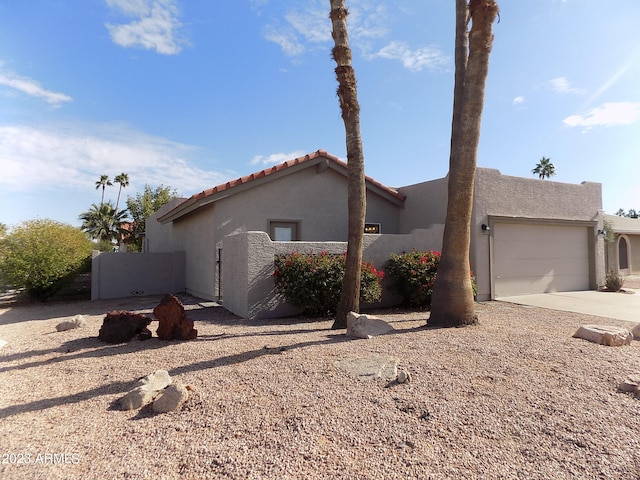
x=503, y=198
x=116, y=275
x=314, y=197
x=248, y=273
x=159, y=237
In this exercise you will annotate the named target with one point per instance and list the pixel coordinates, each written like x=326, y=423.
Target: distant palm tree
x=544, y=169
x=104, y=222
x=103, y=182
x=123, y=181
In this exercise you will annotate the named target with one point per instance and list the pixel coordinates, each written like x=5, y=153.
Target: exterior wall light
x=602, y=233
x=486, y=229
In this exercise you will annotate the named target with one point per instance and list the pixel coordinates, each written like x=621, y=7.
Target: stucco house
x=622, y=254
x=527, y=236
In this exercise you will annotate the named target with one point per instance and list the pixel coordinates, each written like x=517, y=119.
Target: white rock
x=158, y=380
x=138, y=398
x=2, y=343
x=171, y=398
x=366, y=326
x=605, y=335
x=145, y=390
x=76, y=322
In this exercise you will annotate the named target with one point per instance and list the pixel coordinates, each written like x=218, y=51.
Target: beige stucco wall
x=248, y=272
x=116, y=275
x=532, y=200
x=497, y=195
x=159, y=237
x=425, y=205
x=317, y=198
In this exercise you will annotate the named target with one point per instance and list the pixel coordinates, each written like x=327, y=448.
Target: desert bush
x=613, y=281
x=42, y=255
x=313, y=282
x=413, y=275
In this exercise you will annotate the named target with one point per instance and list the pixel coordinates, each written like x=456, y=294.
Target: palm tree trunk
x=452, y=303
x=118, y=199
x=347, y=94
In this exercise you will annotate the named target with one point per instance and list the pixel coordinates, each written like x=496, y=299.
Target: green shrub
x=613, y=282
x=314, y=282
x=413, y=275
x=41, y=255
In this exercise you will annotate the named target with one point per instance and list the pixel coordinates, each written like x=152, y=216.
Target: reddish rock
x=120, y=326
x=174, y=324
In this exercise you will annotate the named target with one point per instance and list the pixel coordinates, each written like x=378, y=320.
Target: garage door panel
x=548, y=250
x=530, y=258
x=541, y=267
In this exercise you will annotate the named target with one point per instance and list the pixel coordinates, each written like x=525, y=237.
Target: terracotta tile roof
x=199, y=197
x=283, y=166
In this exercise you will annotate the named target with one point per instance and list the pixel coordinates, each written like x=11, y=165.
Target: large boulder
x=173, y=321
x=120, y=326
x=605, y=335
x=145, y=390
x=366, y=326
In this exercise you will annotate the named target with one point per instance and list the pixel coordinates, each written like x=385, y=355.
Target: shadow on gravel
x=123, y=387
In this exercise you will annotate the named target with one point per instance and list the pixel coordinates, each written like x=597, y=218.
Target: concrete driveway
x=619, y=305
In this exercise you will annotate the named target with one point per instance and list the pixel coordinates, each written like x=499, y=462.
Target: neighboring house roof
x=623, y=224
x=321, y=159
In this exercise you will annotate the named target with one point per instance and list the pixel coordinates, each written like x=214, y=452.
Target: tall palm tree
x=123, y=181
x=348, y=97
x=103, y=222
x=452, y=303
x=544, y=169
x=103, y=182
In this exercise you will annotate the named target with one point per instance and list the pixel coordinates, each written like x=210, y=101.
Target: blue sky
x=193, y=93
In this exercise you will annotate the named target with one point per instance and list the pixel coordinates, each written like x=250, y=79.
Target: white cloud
x=286, y=39
x=154, y=27
x=429, y=57
x=313, y=24
x=519, y=100
x=32, y=88
x=275, y=158
x=308, y=26
x=607, y=115
x=70, y=157
x=303, y=28
x=563, y=85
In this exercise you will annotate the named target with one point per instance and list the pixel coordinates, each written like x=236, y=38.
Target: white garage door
x=539, y=258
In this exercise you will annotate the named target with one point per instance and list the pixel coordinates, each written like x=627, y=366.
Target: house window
x=282, y=231
x=371, y=228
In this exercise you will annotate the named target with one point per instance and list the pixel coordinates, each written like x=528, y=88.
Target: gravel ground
x=515, y=397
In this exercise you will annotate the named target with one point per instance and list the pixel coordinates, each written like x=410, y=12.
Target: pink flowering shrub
x=413, y=275
x=313, y=282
